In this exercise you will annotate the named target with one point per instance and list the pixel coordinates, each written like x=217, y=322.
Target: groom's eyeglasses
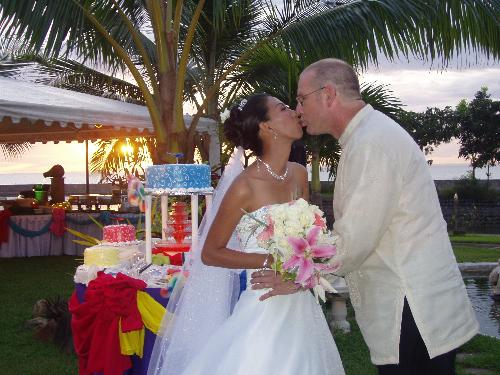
x=300, y=98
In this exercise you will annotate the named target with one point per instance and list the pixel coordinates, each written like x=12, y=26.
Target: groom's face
x=309, y=105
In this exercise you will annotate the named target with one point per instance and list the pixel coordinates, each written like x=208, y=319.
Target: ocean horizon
x=438, y=171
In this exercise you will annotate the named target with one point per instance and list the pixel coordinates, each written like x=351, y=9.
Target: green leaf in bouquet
x=285, y=275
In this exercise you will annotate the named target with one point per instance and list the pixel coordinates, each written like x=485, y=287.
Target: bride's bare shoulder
x=241, y=188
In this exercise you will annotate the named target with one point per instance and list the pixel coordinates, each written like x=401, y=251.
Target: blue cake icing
x=178, y=178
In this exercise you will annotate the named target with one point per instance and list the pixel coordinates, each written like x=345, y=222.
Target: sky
x=418, y=85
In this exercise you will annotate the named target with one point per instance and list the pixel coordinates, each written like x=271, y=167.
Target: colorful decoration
x=136, y=193
x=111, y=321
x=57, y=226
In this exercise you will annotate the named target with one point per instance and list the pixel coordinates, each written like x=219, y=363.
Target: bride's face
x=283, y=120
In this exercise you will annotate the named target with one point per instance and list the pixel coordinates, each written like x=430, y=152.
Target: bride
x=213, y=332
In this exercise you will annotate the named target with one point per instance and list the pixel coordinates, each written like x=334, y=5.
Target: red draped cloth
x=4, y=225
x=58, y=224
x=95, y=321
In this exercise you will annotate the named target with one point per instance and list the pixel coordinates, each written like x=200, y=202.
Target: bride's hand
x=269, y=279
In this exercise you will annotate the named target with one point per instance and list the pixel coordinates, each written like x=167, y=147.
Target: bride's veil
x=197, y=308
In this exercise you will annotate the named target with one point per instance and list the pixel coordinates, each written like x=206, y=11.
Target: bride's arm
x=214, y=252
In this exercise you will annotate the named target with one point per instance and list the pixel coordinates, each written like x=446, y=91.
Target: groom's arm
x=371, y=183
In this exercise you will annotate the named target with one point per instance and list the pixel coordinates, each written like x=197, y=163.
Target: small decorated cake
x=118, y=233
x=178, y=178
x=101, y=256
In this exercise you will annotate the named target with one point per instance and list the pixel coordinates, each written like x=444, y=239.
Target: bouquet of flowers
x=295, y=234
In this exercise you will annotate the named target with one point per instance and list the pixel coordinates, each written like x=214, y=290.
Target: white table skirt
x=48, y=243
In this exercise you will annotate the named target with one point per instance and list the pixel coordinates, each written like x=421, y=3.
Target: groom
x=409, y=297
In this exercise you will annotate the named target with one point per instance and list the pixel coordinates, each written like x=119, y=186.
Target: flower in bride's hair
x=242, y=104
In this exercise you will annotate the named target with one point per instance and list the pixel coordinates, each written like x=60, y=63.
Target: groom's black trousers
x=413, y=356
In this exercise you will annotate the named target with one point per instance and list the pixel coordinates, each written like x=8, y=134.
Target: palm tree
x=171, y=42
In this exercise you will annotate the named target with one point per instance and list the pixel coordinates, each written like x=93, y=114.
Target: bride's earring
x=275, y=135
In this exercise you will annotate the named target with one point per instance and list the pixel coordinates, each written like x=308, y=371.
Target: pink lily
x=319, y=221
x=304, y=252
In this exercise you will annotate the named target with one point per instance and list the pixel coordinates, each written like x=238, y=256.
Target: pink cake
x=118, y=233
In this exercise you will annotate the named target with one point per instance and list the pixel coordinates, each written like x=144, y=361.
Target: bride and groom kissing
x=392, y=247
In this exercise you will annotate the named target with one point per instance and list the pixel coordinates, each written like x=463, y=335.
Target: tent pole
x=87, y=189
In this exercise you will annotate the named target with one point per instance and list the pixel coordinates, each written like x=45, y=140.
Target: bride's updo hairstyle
x=242, y=126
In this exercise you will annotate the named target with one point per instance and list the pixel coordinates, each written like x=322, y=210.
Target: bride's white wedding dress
x=283, y=335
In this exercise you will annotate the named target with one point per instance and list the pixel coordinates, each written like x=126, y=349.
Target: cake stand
x=164, y=194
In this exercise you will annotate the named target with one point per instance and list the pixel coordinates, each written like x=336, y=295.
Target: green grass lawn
x=23, y=281
x=477, y=238
x=482, y=352
x=485, y=354
x=475, y=254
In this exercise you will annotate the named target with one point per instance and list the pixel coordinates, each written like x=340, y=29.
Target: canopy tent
x=31, y=112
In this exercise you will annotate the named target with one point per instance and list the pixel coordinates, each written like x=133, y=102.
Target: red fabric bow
x=94, y=322
x=57, y=227
x=4, y=225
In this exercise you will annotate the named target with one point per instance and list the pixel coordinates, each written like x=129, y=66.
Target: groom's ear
x=330, y=93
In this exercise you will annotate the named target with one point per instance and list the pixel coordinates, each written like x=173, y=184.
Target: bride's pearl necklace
x=279, y=177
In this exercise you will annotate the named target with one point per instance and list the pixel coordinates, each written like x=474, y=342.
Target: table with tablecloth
x=29, y=235
x=139, y=365
x=103, y=298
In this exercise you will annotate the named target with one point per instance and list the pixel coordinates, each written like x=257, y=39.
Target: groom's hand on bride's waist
x=268, y=279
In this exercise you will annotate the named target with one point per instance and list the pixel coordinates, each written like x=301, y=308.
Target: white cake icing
x=178, y=178
x=85, y=274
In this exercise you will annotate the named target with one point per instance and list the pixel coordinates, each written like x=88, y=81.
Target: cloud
x=419, y=89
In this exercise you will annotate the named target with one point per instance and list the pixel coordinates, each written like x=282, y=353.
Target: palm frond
x=382, y=98
x=59, y=28
x=14, y=150
x=113, y=163
x=358, y=31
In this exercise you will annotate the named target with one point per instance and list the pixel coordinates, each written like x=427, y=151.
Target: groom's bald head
x=338, y=73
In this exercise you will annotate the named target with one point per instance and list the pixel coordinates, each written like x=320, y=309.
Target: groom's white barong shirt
x=393, y=241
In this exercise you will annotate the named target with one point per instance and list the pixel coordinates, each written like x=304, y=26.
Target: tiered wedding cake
x=119, y=244
x=178, y=179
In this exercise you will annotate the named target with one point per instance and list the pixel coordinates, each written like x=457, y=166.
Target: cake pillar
x=208, y=202
x=148, y=201
x=194, y=221
x=164, y=216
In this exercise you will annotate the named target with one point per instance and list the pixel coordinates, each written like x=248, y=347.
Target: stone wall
x=447, y=184
x=472, y=217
